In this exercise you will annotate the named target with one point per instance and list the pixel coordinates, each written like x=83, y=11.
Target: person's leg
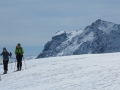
x=4, y=64
x=20, y=62
x=7, y=64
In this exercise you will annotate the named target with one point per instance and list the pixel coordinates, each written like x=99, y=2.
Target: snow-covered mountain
x=77, y=72
x=99, y=37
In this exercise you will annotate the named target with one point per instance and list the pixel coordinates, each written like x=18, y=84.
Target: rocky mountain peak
x=99, y=37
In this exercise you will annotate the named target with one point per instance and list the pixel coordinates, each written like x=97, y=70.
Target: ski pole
x=11, y=59
x=11, y=63
x=24, y=62
x=0, y=77
x=0, y=61
x=15, y=65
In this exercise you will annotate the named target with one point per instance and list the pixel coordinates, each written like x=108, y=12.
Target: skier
x=5, y=55
x=19, y=54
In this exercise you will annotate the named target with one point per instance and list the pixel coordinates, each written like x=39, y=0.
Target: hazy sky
x=33, y=22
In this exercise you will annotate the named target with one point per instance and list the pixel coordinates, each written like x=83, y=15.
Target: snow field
x=79, y=72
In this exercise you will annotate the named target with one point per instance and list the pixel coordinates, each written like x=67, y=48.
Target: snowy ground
x=82, y=72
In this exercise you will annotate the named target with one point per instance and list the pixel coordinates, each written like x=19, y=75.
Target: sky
x=33, y=22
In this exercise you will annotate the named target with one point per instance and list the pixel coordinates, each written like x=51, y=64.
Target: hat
x=4, y=48
x=18, y=44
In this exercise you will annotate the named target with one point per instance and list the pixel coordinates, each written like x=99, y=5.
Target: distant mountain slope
x=99, y=37
x=13, y=58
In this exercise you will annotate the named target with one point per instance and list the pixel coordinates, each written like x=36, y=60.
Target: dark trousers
x=5, y=63
x=19, y=61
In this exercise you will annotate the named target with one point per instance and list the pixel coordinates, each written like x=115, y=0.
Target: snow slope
x=79, y=72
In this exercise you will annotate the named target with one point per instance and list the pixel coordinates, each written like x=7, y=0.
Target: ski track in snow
x=80, y=72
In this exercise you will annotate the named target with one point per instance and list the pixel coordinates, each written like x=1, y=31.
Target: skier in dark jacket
x=5, y=55
x=19, y=54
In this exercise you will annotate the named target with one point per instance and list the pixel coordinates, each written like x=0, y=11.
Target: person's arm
x=22, y=51
x=10, y=54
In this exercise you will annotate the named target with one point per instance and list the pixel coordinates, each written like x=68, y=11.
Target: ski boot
x=5, y=72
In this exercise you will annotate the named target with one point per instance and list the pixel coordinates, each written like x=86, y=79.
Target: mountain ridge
x=99, y=37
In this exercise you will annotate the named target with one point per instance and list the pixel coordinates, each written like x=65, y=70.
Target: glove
x=10, y=54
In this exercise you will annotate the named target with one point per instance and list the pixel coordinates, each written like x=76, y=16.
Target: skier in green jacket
x=19, y=54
